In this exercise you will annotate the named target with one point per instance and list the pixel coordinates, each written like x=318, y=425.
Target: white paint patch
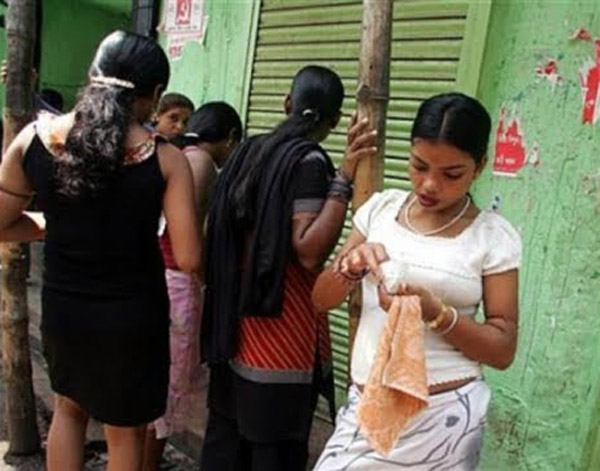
x=552, y=322
x=534, y=155
x=3, y=450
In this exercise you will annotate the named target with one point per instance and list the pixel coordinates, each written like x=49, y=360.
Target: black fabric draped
x=257, y=290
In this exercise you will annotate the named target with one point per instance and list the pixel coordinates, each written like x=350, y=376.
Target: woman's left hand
x=431, y=305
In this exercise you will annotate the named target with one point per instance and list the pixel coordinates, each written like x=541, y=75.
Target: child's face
x=172, y=122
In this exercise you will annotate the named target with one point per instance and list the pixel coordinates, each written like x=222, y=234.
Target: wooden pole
x=16, y=362
x=372, y=99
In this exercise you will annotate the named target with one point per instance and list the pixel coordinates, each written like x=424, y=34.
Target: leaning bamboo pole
x=372, y=99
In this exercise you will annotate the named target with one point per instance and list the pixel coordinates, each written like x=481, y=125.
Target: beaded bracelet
x=340, y=187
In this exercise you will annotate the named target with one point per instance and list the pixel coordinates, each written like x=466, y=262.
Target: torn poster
x=581, y=34
x=509, y=152
x=590, y=87
x=549, y=71
x=184, y=22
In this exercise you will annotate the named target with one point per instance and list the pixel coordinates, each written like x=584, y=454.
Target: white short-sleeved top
x=452, y=268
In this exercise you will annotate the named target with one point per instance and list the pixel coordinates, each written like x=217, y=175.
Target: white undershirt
x=451, y=268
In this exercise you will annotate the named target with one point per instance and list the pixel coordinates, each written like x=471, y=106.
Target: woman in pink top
x=211, y=134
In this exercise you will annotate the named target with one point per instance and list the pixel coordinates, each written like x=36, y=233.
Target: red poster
x=184, y=22
x=509, y=152
x=590, y=87
x=183, y=14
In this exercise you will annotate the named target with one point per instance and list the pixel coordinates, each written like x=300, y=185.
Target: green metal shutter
x=437, y=47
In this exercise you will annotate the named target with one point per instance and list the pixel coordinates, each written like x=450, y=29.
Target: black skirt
x=109, y=356
x=264, y=412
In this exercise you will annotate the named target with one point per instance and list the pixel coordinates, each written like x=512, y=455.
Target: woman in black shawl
x=277, y=213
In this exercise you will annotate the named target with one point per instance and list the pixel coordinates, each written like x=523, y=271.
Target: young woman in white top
x=455, y=257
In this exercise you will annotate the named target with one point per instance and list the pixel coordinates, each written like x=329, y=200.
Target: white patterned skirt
x=447, y=436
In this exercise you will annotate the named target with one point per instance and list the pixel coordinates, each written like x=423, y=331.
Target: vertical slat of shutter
x=469, y=67
x=427, y=43
x=437, y=47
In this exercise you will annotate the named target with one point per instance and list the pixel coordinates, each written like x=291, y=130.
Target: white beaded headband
x=111, y=81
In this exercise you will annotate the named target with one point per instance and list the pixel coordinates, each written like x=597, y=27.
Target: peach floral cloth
x=397, y=387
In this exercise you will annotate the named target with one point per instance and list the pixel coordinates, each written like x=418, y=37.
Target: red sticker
x=509, y=155
x=590, y=87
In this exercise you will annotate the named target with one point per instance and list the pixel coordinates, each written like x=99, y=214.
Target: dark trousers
x=226, y=450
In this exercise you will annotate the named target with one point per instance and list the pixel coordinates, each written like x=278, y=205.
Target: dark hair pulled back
x=173, y=100
x=212, y=122
x=316, y=97
x=455, y=119
x=96, y=143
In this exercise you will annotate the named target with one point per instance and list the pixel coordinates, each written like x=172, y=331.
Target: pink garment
x=397, y=387
x=187, y=376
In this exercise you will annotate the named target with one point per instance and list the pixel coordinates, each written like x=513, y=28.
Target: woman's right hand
x=367, y=256
x=360, y=144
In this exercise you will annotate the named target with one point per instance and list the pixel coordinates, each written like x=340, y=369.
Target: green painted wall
x=545, y=410
x=219, y=68
x=71, y=31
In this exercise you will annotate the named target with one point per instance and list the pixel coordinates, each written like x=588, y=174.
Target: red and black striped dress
x=282, y=363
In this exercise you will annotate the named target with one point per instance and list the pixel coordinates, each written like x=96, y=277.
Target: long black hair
x=212, y=122
x=455, y=119
x=125, y=66
x=316, y=98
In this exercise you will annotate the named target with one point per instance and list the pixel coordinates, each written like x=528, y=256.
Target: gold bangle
x=435, y=323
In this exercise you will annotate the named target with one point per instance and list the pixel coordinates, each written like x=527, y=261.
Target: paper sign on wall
x=509, y=152
x=590, y=87
x=184, y=22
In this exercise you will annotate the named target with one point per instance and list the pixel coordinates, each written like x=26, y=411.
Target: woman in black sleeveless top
x=102, y=180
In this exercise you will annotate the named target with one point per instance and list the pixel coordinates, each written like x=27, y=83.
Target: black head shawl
x=258, y=290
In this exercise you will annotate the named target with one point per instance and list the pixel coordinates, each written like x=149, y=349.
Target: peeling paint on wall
x=549, y=72
x=581, y=34
x=534, y=156
x=545, y=410
x=496, y=203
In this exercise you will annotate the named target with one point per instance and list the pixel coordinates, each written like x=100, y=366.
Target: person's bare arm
x=332, y=287
x=493, y=342
x=314, y=235
x=179, y=209
x=204, y=177
x=16, y=192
